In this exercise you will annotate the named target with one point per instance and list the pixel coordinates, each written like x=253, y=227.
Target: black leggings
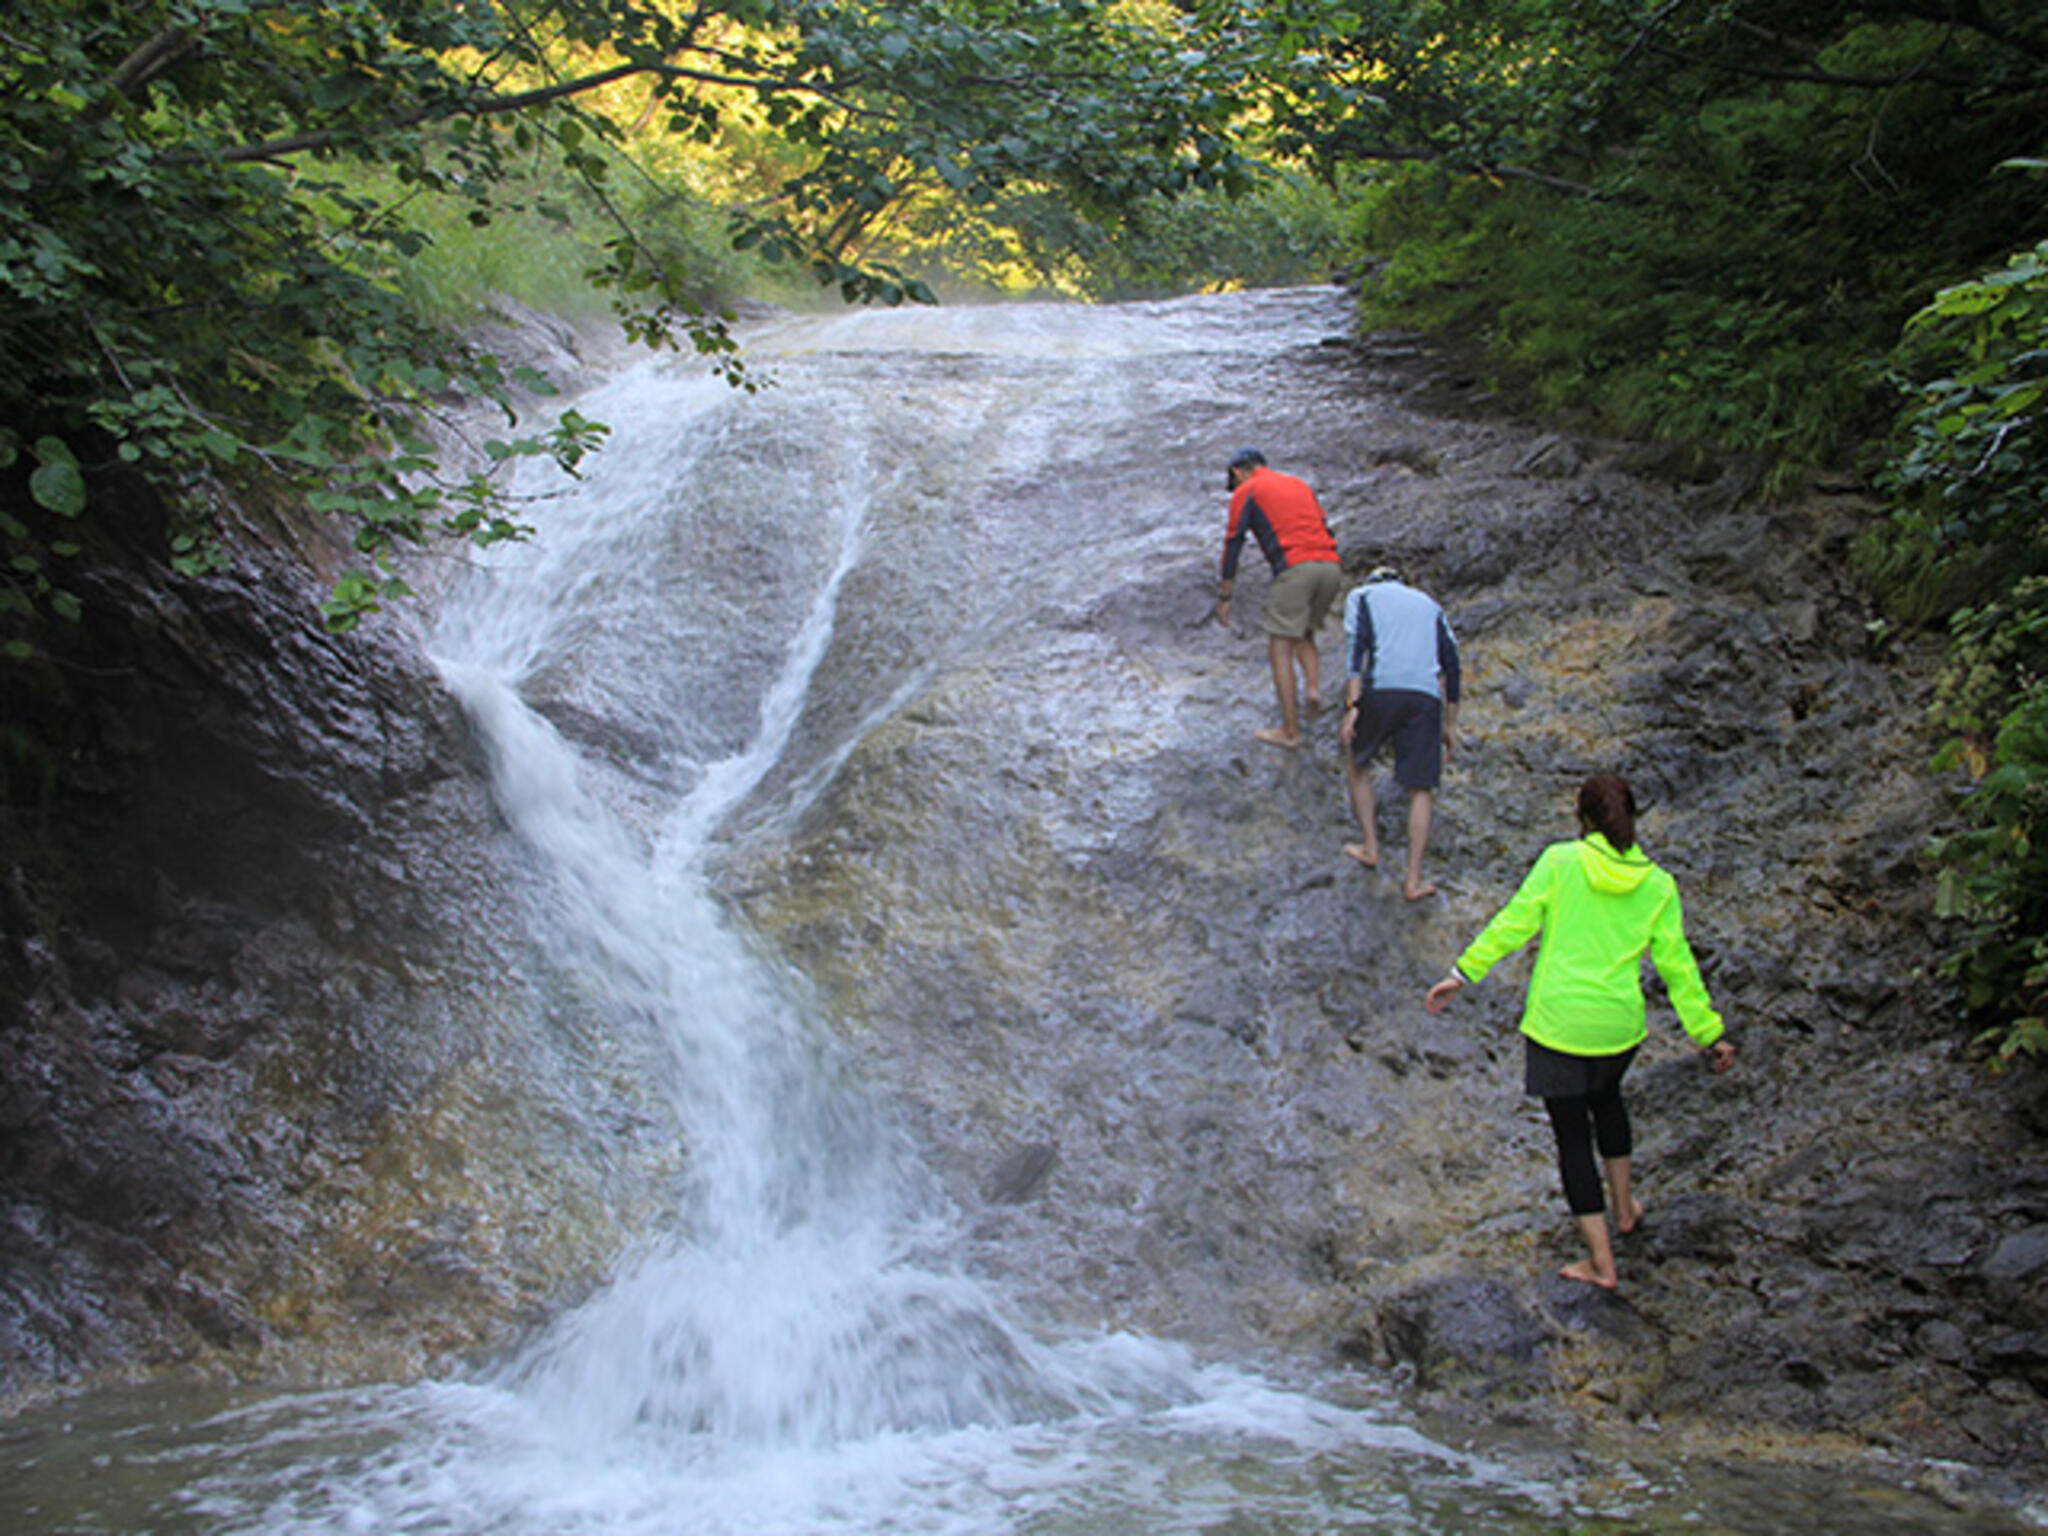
x=1580, y=1122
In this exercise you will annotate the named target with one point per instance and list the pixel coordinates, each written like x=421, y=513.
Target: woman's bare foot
x=1277, y=738
x=1418, y=892
x=1627, y=1223
x=1369, y=857
x=1586, y=1274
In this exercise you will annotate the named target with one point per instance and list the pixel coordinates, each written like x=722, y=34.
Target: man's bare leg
x=1310, y=660
x=1628, y=1211
x=1597, y=1269
x=1421, y=806
x=1365, y=806
x=1280, y=651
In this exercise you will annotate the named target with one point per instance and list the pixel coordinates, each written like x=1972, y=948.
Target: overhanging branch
x=314, y=140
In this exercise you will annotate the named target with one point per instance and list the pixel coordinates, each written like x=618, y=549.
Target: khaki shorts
x=1300, y=596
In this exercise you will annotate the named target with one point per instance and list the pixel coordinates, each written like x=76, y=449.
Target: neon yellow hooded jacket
x=1598, y=912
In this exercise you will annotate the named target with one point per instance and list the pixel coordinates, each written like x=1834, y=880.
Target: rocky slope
x=274, y=1033
x=1168, y=1043
x=272, y=1025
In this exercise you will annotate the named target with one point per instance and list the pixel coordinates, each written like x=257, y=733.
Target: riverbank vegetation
x=240, y=244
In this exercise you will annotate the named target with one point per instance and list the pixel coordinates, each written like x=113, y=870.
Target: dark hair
x=1608, y=806
x=1248, y=458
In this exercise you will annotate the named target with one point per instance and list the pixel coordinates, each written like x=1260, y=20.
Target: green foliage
x=540, y=250
x=1968, y=467
x=200, y=281
x=1694, y=222
x=1285, y=230
x=1968, y=486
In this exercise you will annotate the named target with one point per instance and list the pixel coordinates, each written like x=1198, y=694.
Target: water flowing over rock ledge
x=273, y=1026
x=292, y=1089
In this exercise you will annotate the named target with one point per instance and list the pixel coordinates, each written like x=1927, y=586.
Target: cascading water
x=694, y=643
x=792, y=1306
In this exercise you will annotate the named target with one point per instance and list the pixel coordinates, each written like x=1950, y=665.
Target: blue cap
x=1246, y=458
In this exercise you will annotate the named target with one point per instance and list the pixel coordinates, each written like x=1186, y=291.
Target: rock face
x=286, y=1084
x=1083, y=923
x=265, y=999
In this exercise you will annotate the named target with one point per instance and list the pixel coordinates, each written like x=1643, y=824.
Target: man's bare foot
x=1369, y=857
x=1278, y=738
x=1626, y=1224
x=1418, y=892
x=1586, y=1274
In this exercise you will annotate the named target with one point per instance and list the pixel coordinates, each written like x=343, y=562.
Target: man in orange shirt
x=1283, y=515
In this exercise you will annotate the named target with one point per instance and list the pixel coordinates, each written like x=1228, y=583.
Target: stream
x=673, y=671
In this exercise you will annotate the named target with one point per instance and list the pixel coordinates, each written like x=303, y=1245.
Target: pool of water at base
x=1236, y=1455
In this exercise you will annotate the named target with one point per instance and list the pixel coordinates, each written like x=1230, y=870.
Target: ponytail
x=1608, y=806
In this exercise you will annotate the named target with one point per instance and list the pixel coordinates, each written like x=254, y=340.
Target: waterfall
x=698, y=638
x=805, y=1299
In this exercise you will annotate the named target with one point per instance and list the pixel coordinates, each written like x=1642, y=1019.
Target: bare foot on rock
x=1369, y=857
x=1626, y=1222
x=1418, y=892
x=1586, y=1274
x=1278, y=738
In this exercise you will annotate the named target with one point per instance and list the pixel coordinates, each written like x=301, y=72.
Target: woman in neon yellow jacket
x=1600, y=905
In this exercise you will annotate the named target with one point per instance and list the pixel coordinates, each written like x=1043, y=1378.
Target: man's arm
x=1451, y=667
x=1359, y=642
x=1357, y=660
x=1233, y=546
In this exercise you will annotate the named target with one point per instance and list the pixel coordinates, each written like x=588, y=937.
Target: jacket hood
x=1606, y=870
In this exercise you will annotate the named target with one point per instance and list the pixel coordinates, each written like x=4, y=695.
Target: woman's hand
x=1443, y=992
x=1723, y=1054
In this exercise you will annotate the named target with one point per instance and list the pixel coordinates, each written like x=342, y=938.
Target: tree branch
x=1969, y=15
x=167, y=48
x=1920, y=72
x=491, y=106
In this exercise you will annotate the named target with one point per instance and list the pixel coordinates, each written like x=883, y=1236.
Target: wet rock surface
x=271, y=1026
x=289, y=1085
x=1066, y=901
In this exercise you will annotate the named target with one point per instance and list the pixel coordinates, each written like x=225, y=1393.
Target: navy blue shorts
x=1414, y=723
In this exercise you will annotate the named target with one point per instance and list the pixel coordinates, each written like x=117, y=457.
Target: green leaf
x=59, y=487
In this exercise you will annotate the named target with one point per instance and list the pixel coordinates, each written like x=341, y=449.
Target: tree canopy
x=193, y=280
x=1696, y=219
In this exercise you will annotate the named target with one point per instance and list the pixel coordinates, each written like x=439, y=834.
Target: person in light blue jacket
x=1401, y=689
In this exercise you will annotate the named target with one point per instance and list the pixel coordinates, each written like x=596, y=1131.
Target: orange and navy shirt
x=1282, y=513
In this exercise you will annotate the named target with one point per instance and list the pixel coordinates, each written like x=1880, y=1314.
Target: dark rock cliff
x=264, y=993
